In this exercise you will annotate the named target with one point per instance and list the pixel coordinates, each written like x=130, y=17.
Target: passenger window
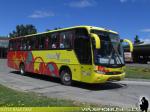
x=28, y=45
x=11, y=45
x=55, y=41
x=32, y=43
x=19, y=44
x=47, y=42
x=24, y=44
x=62, y=39
x=36, y=43
x=41, y=42
x=14, y=45
x=66, y=40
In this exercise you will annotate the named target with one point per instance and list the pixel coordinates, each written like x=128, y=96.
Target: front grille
x=113, y=73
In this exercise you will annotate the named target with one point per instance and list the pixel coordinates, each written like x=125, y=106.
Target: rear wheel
x=66, y=77
x=22, y=69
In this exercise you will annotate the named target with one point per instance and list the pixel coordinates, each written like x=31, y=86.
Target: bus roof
x=62, y=29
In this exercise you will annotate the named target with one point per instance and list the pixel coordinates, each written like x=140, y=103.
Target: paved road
x=125, y=93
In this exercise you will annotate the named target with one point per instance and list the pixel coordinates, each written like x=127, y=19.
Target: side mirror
x=97, y=40
x=130, y=44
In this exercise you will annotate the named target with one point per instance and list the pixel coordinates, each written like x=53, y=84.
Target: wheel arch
x=21, y=62
x=65, y=67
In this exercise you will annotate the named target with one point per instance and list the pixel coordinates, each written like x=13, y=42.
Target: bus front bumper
x=101, y=78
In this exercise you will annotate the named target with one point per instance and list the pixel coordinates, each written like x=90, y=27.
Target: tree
x=3, y=36
x=57, y=28
x=48, y=30
x=22, y=30
x=54, y=29
x=137, y=40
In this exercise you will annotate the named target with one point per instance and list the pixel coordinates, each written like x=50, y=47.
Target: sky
x=128, y=17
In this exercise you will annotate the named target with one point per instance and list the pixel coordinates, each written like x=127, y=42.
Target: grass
x=138, y=72
x=12, y=98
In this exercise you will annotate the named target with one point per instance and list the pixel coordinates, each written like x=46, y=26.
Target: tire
x=66, y=78
x=22, y=69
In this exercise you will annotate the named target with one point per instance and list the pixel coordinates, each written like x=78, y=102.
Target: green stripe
x=40, y=109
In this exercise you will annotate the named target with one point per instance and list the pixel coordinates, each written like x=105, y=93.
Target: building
x=3, y=47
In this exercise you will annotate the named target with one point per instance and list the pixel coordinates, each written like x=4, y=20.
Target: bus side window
x=28, y=44
x=31, y=43
x=21, y=44
x=11, y=45
x=14, y=44
x=41, y=42
x=45, y=41
x=50, y=41
x=55, y=41
x=66, y=39
x=18, y=44
x=24, y=44
x=62, y=38
x=36, y=43
x=82, y=46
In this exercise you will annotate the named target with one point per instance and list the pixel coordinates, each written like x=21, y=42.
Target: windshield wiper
x=117, y=54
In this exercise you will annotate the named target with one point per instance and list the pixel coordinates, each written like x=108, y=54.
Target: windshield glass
x=111, y=52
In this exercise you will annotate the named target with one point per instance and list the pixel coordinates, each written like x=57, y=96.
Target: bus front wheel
x=65, y=77
x=22, y=69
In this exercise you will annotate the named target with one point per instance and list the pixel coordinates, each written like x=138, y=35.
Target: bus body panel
x=46, y=62
x=90, y=76
x=49, y=63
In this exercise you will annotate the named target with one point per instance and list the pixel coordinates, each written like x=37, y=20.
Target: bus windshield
x=111, y=52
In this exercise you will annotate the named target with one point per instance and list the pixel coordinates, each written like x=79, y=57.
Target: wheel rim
x=21, y=70
x=66, y=77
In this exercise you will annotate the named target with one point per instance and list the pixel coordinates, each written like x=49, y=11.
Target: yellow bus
x=82, y=53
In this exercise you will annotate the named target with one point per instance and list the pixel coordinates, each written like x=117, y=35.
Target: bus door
x=82, y=46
